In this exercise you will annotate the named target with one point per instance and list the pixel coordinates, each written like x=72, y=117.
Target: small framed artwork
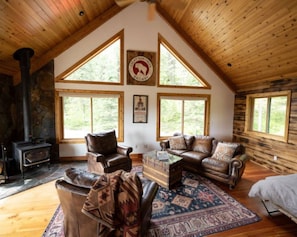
x=141, y=68
x=140, y=108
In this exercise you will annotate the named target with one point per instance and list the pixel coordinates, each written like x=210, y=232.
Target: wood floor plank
x=28, y=213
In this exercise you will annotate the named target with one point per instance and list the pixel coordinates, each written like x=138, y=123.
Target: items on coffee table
x=163, y=168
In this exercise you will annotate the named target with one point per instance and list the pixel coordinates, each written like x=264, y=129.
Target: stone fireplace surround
x=42, y=111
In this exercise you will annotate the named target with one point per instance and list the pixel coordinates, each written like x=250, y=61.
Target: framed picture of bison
x=141, y=68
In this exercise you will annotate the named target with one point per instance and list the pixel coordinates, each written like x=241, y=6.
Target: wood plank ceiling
x=246, y=42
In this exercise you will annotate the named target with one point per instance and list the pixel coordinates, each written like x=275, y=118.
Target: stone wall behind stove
x=42, y=109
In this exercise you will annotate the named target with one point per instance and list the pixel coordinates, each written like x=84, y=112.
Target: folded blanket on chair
x=114, y=201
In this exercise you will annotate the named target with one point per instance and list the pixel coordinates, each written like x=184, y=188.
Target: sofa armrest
x=124, y=150
x=236, y=167
x=244, y=158
x=164, y=145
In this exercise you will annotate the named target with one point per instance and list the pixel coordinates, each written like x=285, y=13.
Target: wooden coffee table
x=166, y=173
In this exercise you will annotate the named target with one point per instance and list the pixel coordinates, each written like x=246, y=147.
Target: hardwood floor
x=28, y=213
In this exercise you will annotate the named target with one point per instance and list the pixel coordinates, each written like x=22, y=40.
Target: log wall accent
x=261, y=150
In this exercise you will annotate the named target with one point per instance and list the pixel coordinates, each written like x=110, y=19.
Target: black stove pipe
x=23, y=55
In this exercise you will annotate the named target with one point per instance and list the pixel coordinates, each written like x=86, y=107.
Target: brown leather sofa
x=105, y=155
x=72, y=192
x=221, y=161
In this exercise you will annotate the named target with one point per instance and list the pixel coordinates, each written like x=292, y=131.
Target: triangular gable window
x=175, y=71
x=103, y=65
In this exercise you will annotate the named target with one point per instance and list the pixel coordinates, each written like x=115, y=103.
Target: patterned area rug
x=197, y=207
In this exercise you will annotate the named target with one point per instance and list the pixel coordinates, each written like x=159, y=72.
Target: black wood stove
x=30, y=152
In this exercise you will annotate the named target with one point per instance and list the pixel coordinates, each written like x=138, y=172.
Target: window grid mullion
x=183, y=117
x=91, y=116
x=268, y=114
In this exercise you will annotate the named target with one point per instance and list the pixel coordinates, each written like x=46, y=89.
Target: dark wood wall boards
x=262, y=150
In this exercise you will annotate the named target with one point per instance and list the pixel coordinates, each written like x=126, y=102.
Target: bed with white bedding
x=280, y=190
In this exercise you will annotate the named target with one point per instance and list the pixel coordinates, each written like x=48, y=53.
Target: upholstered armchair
x=73, y=191
x=105, y=155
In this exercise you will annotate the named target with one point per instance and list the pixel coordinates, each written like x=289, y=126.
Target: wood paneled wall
x=261, y=150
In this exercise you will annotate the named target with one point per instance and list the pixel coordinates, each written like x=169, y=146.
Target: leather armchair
x=105, y=155
x=73, y=191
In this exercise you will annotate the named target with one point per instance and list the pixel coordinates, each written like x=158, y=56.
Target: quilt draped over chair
x=114, y=201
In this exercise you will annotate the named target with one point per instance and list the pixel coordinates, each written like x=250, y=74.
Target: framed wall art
x=141, y=68
x=140, y=108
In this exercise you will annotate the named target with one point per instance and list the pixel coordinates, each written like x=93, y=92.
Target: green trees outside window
x=270, y=115
x=103, y=67
x=88, y=115
x=186, y=114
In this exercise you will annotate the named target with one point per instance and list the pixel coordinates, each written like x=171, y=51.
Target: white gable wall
x=141, y=34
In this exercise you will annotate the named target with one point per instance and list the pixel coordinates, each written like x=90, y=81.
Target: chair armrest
x=124, y=150
x=149, y=192
x=63, y=185
x=98, y=157
x=164, y=145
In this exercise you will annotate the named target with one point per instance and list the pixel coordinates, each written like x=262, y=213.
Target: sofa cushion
x=189, y=141
x=177, y=143
x=103, y=143
x=176, y=152
x=214, y=145
x=202, y=144
x=225, y=151
x=194, y=157
x=215, y=164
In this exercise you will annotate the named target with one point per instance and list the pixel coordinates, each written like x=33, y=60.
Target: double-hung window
x=182, y=113
x=85, y=112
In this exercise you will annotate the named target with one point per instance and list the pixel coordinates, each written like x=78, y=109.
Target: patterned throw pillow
x=177, y=143
x=224, y=151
